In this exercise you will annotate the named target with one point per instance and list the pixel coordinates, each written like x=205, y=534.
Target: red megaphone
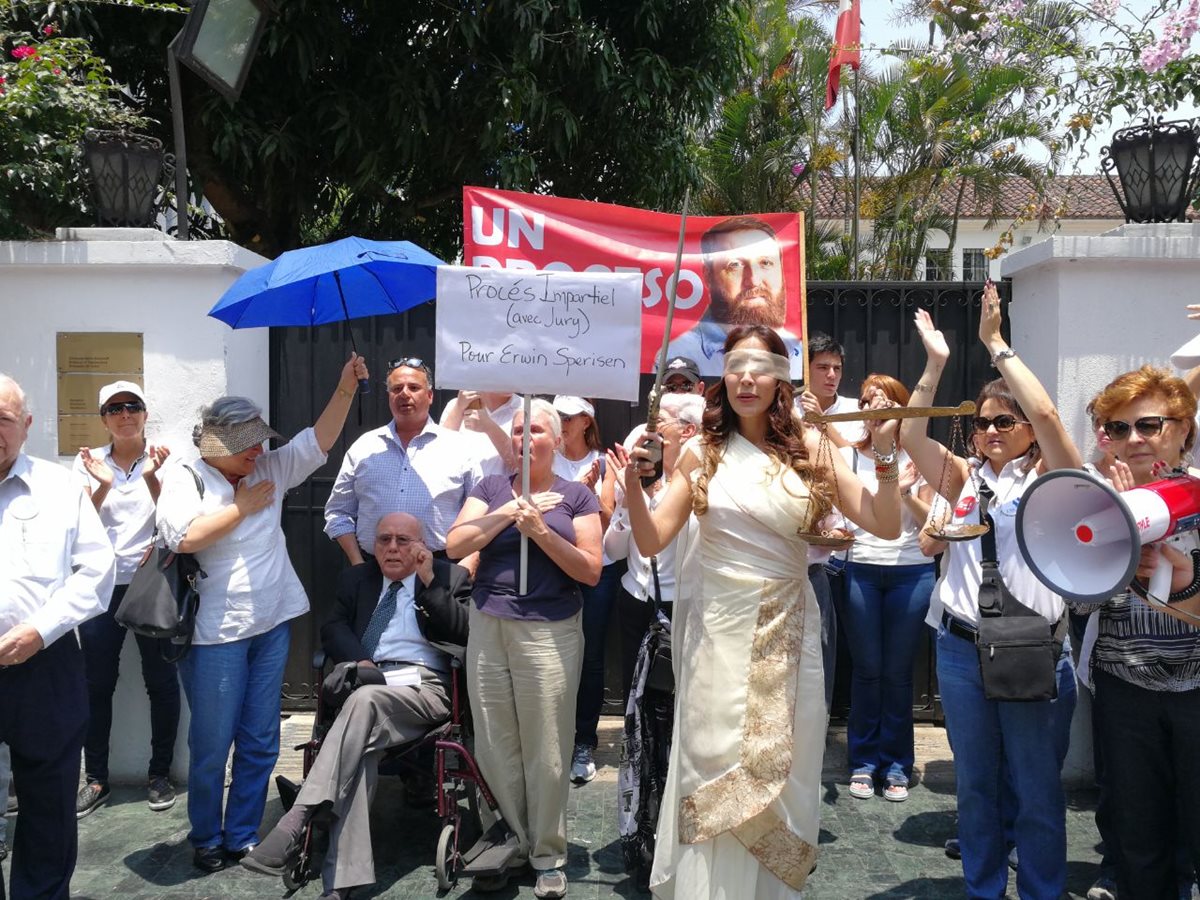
x=1083, y=540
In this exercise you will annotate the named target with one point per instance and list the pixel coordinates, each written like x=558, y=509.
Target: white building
x=1088, y=207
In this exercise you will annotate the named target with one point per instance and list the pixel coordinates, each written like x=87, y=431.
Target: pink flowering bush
x=52, y=90
x=1087, y=58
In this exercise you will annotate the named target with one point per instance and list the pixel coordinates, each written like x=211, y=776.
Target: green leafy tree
x=368, y=118
x=52, y=90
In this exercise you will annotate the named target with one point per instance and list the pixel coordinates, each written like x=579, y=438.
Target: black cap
x=681, y=365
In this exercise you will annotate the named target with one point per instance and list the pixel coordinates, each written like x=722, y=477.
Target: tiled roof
x=1083, y=196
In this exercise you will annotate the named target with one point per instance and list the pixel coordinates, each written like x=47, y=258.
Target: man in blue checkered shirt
x=410, y=465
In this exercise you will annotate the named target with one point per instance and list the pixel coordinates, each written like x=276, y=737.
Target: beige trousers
x=522, y=677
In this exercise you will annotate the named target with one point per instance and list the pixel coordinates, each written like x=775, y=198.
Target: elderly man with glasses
x=410, y=465
x=374, y=624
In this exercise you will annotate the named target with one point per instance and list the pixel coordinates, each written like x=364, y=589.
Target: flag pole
x=857, y=186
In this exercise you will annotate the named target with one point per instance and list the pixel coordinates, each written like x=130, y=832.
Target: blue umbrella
x=347, y=279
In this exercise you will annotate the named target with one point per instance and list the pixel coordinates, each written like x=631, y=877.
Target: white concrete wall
x=163, y=289
x=1086, y=309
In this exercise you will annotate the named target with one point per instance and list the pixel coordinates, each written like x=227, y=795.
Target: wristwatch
x=1007, y=353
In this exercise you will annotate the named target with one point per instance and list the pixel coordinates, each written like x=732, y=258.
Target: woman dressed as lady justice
x=740, y=809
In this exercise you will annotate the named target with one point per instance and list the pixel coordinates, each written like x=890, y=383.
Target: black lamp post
x=125, y=170
x=218, y=43
x=1156, y=163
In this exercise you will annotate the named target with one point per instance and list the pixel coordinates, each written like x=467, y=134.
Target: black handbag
x=1018, y=649
x=162, y=600
x=661, y=676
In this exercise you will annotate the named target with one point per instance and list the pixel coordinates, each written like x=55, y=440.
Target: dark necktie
x=380, y=619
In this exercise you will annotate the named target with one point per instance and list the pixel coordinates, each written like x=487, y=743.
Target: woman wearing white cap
x=123, y=482
x=249, y=596
x=581, y=458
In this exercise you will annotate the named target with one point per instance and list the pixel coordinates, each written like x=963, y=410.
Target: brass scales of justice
x=839, y=539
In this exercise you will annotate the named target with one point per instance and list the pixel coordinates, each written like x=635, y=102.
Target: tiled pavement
x=869, y=849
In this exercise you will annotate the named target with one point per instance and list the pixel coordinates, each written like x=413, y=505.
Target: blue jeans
x=101, y=639
x=986, y=735
x=233, y=691
x=5, y=778
x=598, y=603
x=884, y=617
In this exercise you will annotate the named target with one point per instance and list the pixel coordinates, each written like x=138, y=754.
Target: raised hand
x=618, y=462
x=1193, y=310
x=810, y=403
x=156, y=455
x=882, y=431
x=589, y=478
x=934, y=341
x=475, y=419
x=642, y=461
x=97, y=468
x=470, y=400
x=1120, y=476
x=908, y=476
x=423, y=560
x=990, y=317
x=353, y=371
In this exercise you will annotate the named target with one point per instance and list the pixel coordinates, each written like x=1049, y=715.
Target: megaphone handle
x=1160, y=582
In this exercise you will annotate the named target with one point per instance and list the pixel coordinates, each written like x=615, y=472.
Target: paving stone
x=869, y=848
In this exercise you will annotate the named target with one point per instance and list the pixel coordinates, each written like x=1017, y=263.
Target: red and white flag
x=846, y=41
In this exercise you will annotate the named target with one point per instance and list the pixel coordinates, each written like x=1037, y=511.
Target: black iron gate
x=873, y=320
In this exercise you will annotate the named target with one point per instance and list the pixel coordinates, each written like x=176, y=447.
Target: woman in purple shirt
x=525, y=650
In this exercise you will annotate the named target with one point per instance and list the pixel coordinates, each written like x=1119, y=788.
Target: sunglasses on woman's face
x=1147, y=426
x=115, y=409
x=1001, y=423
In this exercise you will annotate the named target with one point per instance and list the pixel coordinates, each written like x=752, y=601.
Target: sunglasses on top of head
x=407, y=362
x=130, y=406
x=411, y=362
x=1147, y=426
x=1002, y=423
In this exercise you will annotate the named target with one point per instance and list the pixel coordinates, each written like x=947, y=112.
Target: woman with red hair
x=888, y=584
x=1145, y=662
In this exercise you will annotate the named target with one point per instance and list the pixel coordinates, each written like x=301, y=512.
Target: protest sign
x=539, y=332
x=735, y=268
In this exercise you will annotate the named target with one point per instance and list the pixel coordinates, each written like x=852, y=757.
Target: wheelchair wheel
x=446, y=863
x=296, y=877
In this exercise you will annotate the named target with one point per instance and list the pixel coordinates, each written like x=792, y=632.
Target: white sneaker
x=583, y=769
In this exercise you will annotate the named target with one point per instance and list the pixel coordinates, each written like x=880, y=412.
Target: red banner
x=735, y=268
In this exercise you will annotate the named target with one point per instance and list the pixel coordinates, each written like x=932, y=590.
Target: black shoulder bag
x=661, y=676
x=162, y=600
x=1018, y=650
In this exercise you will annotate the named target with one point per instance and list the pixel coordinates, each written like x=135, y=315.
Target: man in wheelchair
x=380, y=627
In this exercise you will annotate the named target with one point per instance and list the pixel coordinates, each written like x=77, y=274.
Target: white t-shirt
x=127, y=511
x=573, y=469
x=867, y=548
x=958, y=591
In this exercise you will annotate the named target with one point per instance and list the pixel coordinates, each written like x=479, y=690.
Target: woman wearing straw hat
x=235, y=668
